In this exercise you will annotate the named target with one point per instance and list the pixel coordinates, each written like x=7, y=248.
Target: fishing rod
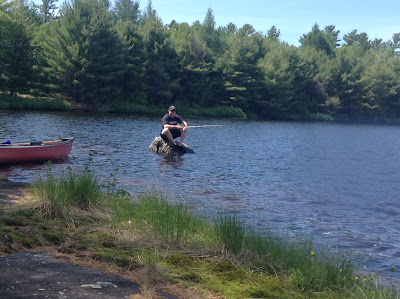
x=203, y=126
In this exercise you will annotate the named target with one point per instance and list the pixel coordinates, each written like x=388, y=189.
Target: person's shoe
x=179, y=148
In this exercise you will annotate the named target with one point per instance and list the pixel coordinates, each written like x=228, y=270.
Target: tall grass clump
x=298, y=259
x=58, y=198
x=372, y=287
x=305, y=264
x=171, y=221
x=230, y=232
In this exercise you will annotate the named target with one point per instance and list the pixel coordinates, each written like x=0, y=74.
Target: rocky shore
x=50, y=274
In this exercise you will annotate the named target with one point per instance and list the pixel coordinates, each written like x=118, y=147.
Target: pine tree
x=85, y=54
x=47, y=9
x=243, y=79
x=162, y=65
x=195, y=70
x=15, y=56
x=132, y=79
x=127, y=11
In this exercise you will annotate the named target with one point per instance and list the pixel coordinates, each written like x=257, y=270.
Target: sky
x=379, y=19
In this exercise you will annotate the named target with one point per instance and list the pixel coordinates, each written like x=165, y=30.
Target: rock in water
x=159, y=146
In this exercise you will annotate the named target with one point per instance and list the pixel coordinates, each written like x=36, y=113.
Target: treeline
x=106, y=56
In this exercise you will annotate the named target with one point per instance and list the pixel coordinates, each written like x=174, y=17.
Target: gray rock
x=38, y=275
x=159, y=146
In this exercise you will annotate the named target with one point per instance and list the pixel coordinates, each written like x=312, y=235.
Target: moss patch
x=95, y=238
x=55, y=238
x=120, y=257
x=223, y=277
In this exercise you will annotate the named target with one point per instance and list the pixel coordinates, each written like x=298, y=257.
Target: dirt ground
x=11, y=191
x=48, y=273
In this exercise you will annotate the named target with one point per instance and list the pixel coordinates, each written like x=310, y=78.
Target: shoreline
x=18, y=192
x=68, y=266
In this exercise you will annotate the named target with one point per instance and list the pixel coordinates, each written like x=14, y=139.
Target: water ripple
x=337, y=183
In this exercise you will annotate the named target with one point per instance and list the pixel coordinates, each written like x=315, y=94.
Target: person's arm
x=184, y=127
x=168, y=126
x=177, y=126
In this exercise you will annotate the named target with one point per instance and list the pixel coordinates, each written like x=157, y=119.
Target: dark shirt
x=168, y=120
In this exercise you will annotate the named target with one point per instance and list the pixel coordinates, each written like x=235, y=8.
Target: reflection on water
x=171, y=161
x=338, y=183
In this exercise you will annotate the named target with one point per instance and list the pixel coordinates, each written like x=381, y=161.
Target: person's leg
x=183, y=134
x=167, y=133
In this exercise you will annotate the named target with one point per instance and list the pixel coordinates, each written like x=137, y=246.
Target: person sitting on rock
x=173, y=126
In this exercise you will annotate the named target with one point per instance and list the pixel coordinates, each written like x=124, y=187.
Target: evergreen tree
x=149, y=13
x=25, y=14
x=320, y=40
x=195, y=70
x=132, y=79
x=344, y=83
x=47, y=9
x=86, y=54
x=162, y=63
x=377, y=44
x=45, y=45
x=395, y=45
x=380, y=85
x=127, y=11
x=210, y=35
x=231, y=28
x=289, y=83
x=333, y=35
x=15, y=56
x=243, y=79
x=4, y=5
x=274, y=34
x=359, y=41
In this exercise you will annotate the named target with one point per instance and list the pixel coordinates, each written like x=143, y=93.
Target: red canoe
x=35, y=151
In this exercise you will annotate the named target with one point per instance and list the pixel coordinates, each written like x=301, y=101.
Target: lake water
x=338, y=183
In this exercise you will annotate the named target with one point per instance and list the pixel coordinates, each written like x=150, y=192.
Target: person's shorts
x=175, y=134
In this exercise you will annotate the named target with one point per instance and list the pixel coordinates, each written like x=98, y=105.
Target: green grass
x=230, y=232
x=20, y=103
x=173, y=222
x=304, y=266
x=221, y=255
x=55, y=104
x=56, y=198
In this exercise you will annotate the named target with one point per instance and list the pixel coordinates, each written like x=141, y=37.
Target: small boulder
x=159, y=146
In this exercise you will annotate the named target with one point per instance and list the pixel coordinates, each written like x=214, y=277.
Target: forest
x=106, y=56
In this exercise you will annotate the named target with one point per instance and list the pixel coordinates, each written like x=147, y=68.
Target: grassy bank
x=32, y=103
x=52, y=104
x=173, y=245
